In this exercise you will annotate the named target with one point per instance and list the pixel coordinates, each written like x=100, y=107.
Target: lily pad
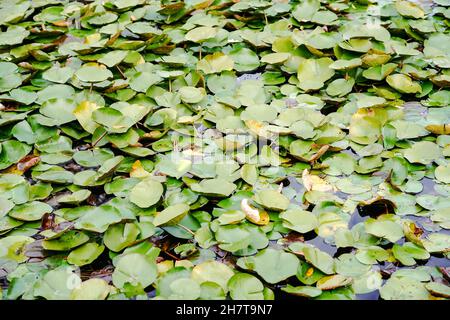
x=403, y=83
x=146, y=193
x=97, y=219
x=92, y=289
x=298, y=220
x=214, y=187
x=93, y=73
x=244, y=286
x=31, y=211
x=57, y=284
x=312, y=73
x=423, y=152
x=171, y=214
x=273, y=265
x=85, y=254
x=404, y=288
x=67, y=241
x=272, y=200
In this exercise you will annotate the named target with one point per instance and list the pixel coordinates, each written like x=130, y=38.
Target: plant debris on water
x=224, y=149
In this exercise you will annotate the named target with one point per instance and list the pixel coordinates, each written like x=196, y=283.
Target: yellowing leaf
x=215, y=63
x=83, y=113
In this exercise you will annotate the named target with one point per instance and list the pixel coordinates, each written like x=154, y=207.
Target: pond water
x=108, y=121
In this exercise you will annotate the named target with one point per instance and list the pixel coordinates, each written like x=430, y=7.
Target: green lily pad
x=67, y=241
x=119, y=236
x=135, y=269
x=438, y=289
x=333, y=282
x=58, y=74
x=244, y=59
x=57, y=284
x=93, y=73
x=272, y=200
x=97, y=219
x=85, y=254
x=13, y=35
x=408, y=252
x=11, y=152
x=321, y=260
x=409, y=9
x=214, y=187
x=298, y=220
x=384, y=227
x=275, y=58
x=403, y=288
x=146, y=193
x=200, y=34
x=212, y=271
x=215, y=63
x=303, y=291
x=244, y=286
x=171, y=214
x=442, y=173
x=92, y=289
x=191, y=94
x=403, y=83
x=272, y=265
x=423, y=152
x=75, y=197
x=312, y=73
x=31, y=211
x=372, y=254
x=13, y=247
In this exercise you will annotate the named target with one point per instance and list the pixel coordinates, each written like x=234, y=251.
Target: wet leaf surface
x=215, y=150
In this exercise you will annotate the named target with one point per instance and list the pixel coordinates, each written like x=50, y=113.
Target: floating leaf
x=135, y=269
x=403, y=83
x=323, y=261
x=438, y=289
x=57, y=284
x=92, y=289
x=214, y=187
x=213, y=271
x=93, y=73
x=244, y=286
x=119, y=236
x=333, y=282
x=13, y=247
x=200, y=34
x=423, y=152
x=31, y=211
x=384, y=227
x=303, y=291
x=146, y=193
x=408, y=252
x=409, y=9
x=312, y=73
x=299, y=220
x=404, y=288
x=272, y=200
x=67, y=241
x=273, y=265
x=97, y=219
x=170, y=214
x=215, y=63
x=11, y=152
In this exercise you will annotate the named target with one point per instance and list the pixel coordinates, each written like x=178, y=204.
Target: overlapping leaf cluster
x=209, y=149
